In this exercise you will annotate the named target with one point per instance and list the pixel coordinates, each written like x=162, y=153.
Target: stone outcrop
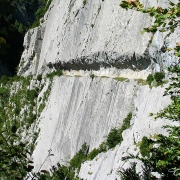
x=106, y=165
x=96, y=35
x=80, y=110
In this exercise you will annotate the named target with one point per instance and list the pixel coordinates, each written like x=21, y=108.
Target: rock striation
x=80, y=110
x=96, y=35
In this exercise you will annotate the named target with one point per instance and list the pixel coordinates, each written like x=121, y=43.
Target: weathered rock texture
x=106, y=165
x=81, y=110
x=84, y=110
x=96, y=35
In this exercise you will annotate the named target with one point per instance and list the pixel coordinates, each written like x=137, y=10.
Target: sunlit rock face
x=107, y=165
x=80, y=110
x=95, y=35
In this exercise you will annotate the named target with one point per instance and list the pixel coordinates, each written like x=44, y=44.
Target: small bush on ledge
x=120, y=79
x=158, y=78
x=54, y=73
x=150, y=79
x=92, y=76
x=113, y=138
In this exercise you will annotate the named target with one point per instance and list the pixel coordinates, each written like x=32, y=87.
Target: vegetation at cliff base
x=115, y=135
x=18, y=123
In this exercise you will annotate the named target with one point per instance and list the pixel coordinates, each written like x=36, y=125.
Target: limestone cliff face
x=80, y=110
x=96, y=36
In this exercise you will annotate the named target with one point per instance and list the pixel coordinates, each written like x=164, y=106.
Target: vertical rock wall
x=80, y=110
x=96, y=35
x=84, y=110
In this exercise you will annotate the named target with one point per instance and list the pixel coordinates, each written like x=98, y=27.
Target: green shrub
x=126, y=125
x=59, y=73
x=141, y=82
x=63, y=172
x=130, y=173
x=113, y=138
x=41, y=107
x=93, y=153
x=40, y=12
x=17, y=110
x=14, y=160
x=4, y=79
x=4, y=93
x=99, y=9
x=103, y=147
x=159, y=76
x=92, y=76
x=126, y=122
x=150, y=79
x=145, y=146
x=92, y=25
x=115, y=135
x=39, y=77
x=17, y=78
x=31, y=95
x=54, y=73
x=84, y=2
x=120, y=79
x=31, y=118
x=79, y=157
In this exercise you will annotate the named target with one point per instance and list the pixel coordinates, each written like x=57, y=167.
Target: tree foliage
x=15, y=150
x=6, y=8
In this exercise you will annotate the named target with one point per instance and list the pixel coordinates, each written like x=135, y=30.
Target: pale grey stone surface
x=99, y=38
x=96, y=36
x=106, y=165
x=80, y=110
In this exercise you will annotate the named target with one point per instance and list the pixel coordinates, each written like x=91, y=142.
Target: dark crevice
x=12, y=58
x=106, y=60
